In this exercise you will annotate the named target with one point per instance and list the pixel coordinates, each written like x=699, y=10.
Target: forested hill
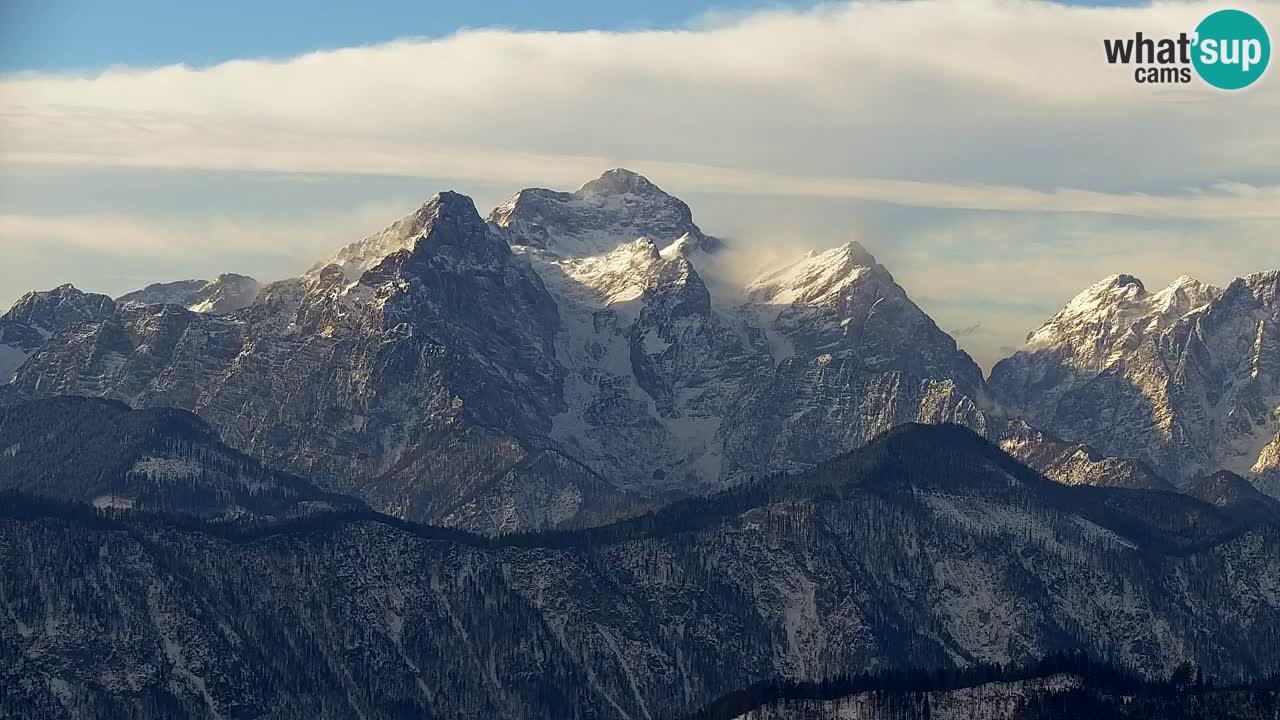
x=102, y=453
x=906, y=462
x=1067, y=686
x=931, y=549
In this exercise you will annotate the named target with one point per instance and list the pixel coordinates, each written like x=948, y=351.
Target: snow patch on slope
x=11, y=358
x=1095, y=530
x=112, y=502
x=610, y=422
x=168, y=469
x=817, y=279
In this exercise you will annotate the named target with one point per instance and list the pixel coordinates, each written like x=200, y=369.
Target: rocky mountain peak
x=228, y=293
x=642, y=246
x=1112, y=288
x=818, y=278
x=1264, y=286
x=620, y=181
x=48, y=309
x=617, y=207
x=452, y=219
x=1123, y=280
x=1182, y=296
x=448, y=217
x=853, y=252
x=842, y=304
x=684, y=247
x=1112, y=314
x=232, y=278
x=1226, y=489
x=1116, y=291
x=452, y=207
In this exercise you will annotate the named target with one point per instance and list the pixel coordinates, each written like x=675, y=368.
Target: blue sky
x=87, y=34
x=91, y=34
x=983, y=150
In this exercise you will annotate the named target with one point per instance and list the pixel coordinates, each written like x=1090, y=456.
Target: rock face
x=101, y=453
x=651, y=365
x=1186, y=380
x=930, y=548
x=228, y=293
x=854, y=357
x=34, y=319
x=845, y=305
x=1233, y=493
x=1076, y=464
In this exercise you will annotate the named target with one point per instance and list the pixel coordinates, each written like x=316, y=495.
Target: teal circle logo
x=1231, y=49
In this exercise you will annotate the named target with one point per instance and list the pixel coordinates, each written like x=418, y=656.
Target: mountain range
x=565, y=362
x=550, y=463
x=1186, y=379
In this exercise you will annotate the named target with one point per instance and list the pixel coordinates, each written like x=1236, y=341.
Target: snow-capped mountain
x=227, y=293
x=1186, y=379
x=570, y=342
x=564, y=364
x=853, y=357
x=844, y=304
x=669, y=386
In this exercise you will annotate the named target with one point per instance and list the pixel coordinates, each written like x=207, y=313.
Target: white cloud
x=1051, y=168
x=116, y=252
x=301, y=239
x=1011, y=273
x=987, y=104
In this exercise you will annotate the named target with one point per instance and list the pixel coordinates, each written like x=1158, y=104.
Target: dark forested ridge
x=908, y=460
x=1063, y=686
x=104, y=453
x=930, y=549
x=918, y=459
